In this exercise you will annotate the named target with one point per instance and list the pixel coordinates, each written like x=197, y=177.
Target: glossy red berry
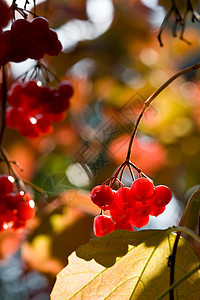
x=102, y=196
x=120, y=215
x=102, y=225
x=124, y=226
x=156, y=210
x=163, y=195
x=6, y=184
x=124, y=198
x=141, y=210
x=142, y=189
x=25, y=211
x=138, y=221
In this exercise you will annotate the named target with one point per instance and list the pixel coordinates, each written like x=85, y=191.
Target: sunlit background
x=112, y=55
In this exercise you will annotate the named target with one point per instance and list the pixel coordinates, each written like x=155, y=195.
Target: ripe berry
x=12, y=200
x=102, y=196
x=44, y=124
x=28, y=127
x=31, y=88
x=20, y=32
x=102, y=225
x=124, y=199
x=12, y=117
x=156, y=211
x=6, y=184
x=141, y=210
x=40, y=25
x=120, y=215
x=25, y=211
x=5, y=14
x=124, y=226
x=142, y=189
x=139, y=222
x=58, y=103
x=65, y=89
x=163, y=195
x=14, y=94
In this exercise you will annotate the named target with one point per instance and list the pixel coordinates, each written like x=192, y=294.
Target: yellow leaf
x=128, y=265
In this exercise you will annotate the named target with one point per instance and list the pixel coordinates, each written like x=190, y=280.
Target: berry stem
x=18, y=181
x=151, y=98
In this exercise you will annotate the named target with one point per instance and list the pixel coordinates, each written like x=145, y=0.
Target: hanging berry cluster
x=28, y=40
x=30, y=105
x=16, y=207
x=33, y=108
x=128, y=207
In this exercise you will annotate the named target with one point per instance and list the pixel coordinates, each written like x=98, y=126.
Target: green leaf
x=128, y=265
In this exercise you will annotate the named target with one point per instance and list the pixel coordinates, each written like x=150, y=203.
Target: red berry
x=12, y=200
x=163, y=195
x=45, y=95
x=102, y=196
x=139, y=222
x=20, y=32
x=124, y=226
x=102, y=225
x=28, y=127
x=141, y=189
x=155, y=210
x=44, y=124
x=18, y=224
x=31, y=88
x=25, y=211
x=17, y=54
x=14, y=94
x=65, y=89
x=40, y=25
x=124, y=199
x=12, y=117
x=141, y=210
x=52, y=44
x=59, y=104
x=9, y=216
x=120, y=215
x=5, y=14
x=6, y=184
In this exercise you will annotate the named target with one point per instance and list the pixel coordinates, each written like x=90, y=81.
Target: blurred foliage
x=113, y=73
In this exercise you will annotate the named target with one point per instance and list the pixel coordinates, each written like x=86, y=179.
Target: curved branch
x=152, y=97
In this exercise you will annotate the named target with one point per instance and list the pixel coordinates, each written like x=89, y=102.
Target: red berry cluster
x=5, y=14
x=28, y=40
x=33, y=108
x=128, y=206
x=15, y=207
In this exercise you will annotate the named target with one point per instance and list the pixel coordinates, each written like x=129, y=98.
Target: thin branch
x=151, y=98
x=164, y=23
x=178, y=282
